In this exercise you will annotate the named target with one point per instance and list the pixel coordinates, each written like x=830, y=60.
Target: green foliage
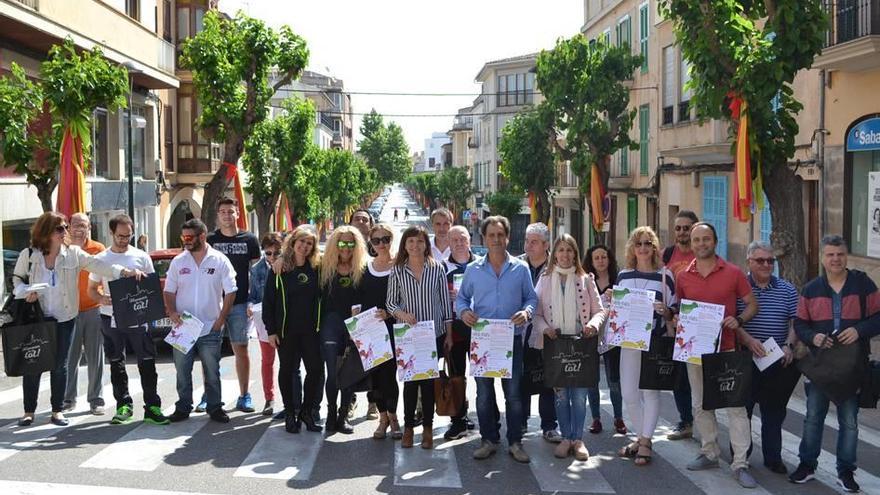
x=506, y=201
x=584, y=91
x=384, y=148
x=527, y=154
x=336, y=181
x=426, y=185
x=20, y=103
x=455, y=188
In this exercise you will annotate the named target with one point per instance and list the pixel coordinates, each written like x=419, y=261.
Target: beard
x=196, y=245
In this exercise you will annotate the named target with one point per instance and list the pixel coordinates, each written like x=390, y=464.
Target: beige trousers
x=707, y=425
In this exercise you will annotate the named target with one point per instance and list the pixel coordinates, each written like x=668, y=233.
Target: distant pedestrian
x=406, y=214
x=142, y=242
x=395, y=214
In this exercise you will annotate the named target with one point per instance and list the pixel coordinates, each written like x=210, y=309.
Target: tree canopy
x=506, y=201
x=384, y=148
x=454, y=189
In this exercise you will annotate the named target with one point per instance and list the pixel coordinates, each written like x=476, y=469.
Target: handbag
x=727, y=379
x=658, y=370
x=350, y=371
x=7, y=313
x=838, y=372
x=449, y=391
x=571, y=362
x=533, y=370
x=30, y=342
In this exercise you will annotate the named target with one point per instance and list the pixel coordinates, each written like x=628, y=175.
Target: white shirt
x=54, y=306
x=133, y=258
x=440, y=255
x=199, y=289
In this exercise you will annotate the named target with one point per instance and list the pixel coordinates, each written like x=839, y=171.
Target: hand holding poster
x=491, y=352
x=256, y=328
x=630, y=318
x=136, y=302
x=370, y=335
x=699, y=326
x=184, y=336
x=416, y=351
x=772, y=353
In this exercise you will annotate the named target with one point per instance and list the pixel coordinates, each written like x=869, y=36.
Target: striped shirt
x=777, y=305
x=426, y=299
x=633, y=279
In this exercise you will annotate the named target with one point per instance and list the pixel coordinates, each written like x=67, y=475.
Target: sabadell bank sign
x=865, y=136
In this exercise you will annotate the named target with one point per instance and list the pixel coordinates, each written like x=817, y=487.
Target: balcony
x=34, y=4
x=337, y=138
x=166, y=57
x=852, y=42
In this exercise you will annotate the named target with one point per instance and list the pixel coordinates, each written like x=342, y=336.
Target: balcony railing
x=565, y=177
x=325, y=120
x=851, y=19
x=166, y=56
x=34, y=4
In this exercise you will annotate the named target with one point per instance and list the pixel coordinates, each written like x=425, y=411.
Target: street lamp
x=129, y=152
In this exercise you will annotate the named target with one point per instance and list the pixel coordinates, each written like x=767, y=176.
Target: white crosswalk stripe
x=417, y=467
x=281, y=455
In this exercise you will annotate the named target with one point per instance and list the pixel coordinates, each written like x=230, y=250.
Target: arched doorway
x=182, y=212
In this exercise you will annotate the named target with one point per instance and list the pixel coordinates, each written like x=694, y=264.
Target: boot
x=407, y=441
x=396, y=434
x=330, y=424
x=342, y=424
x=380, y=432
x=427, y=436
x=291, y=422
x=306, y=417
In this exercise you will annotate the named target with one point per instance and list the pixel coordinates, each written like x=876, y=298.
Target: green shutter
x=644, y=122
x=624, y=162
x=632, y=212
x=643, y=35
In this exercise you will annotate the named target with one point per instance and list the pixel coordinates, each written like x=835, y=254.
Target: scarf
x=565, y=311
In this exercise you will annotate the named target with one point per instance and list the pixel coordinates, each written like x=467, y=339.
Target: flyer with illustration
x=370, y=335
x=630, y=318
x=699, y=327
x=491, y=352
x=416, y=351
x=184, y=336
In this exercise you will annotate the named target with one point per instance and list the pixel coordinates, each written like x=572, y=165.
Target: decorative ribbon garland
x=72, y=181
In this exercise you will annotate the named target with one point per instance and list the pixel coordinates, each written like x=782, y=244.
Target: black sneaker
x=802, y=474
x=457, y=429
x=219, y=416
x=848, y=482
x=178, y=416
x=291, y=422
x=153, y=415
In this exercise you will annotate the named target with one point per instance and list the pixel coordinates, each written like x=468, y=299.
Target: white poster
x=184, y=336
x=256, y=328
x=873, y=227
x=416, y=351
x=772, y=354
x=699, y=327
x=370, y=335
x=491, y=353
x=630, y=318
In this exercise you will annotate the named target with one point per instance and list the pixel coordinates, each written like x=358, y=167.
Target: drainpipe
x=820, y=155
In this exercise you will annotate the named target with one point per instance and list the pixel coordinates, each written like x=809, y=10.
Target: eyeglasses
x=346, y=244
x=682, y=228
x=187, y=238
x=62, y=228
x=271, y=254
x=764, y=261
x=123, y=236
x=380, y=240
x=644, y=244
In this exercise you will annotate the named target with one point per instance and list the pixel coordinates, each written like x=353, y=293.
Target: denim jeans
x=612, y=377
x=208, y=349
x=682, y=395
x=57, y=378
x=814, y=423
x=546, y=409
x=571, y=410
x=333, y=337
x=489, y=422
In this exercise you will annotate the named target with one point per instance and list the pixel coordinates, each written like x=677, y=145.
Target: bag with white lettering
x=727, y=379
x=658, y=370
x=29, y=343
x=571, y=362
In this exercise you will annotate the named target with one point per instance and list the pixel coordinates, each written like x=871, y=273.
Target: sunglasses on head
x=346, y=244
x=62, y=228
x=380, y=240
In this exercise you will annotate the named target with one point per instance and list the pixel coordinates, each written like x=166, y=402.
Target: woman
x=374, y=288
x=342, y=269
x=417, y=291
x=643, y=271
x=601, y=263
x=271, y=244
x=52, y=261
x=290, y=312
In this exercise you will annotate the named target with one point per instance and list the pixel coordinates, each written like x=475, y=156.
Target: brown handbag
x=448, y=391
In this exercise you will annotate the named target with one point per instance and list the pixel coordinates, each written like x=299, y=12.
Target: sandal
x=630, y=450
x=644, y=459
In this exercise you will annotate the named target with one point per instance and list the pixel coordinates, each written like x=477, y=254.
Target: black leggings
x=385, y=390
x=299, y=347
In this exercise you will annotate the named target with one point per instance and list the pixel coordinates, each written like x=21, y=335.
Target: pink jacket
x=592, y=312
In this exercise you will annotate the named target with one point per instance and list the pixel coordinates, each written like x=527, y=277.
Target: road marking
x=435, y=468
x=281, y=455
x=562, y=475
x=16, y=393
x=37, y=488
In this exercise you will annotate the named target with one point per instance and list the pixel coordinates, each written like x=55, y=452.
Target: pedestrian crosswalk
x=253, y=450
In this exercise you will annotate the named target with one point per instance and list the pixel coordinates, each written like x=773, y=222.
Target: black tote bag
x=659, y=371
x=838, y=372
x=29, y=342
x=571, y=362
x=727, y=379
x=350, y=372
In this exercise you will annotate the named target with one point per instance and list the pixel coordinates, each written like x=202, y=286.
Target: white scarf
x=565, y=310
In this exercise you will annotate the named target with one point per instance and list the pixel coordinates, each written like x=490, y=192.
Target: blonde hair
x=330, y=260
x=551, y=262
x=634, y=236
x=384, y=227
x=288, y=257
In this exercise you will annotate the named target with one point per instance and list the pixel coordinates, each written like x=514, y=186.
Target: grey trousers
x=87, y=335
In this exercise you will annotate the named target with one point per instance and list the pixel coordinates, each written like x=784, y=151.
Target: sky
x=415, y=46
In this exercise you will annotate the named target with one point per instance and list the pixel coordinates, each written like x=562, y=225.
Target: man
x=771, y=388
x=498, y=286
x=536, y=256
x=676, y=258
x=201, y=281
x=710, y=279
x=243, y=250
x=137, y=338
x=87, y=332
x=459, y=258
x=838, y=309
x=441, y=220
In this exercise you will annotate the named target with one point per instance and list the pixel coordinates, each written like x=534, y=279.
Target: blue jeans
x=237, y=324
x=208, y=349
x=814, y=423
x=333, y=337
x=30, y=384
x=571, y=410
x=612, y=377
x=682, y=395
x=489, y=423
x=546, y=409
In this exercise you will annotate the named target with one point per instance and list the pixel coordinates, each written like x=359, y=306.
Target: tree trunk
x=784, y=190
x=44, y=192
x=543, y=206
x=216, y=188
x=263, y=210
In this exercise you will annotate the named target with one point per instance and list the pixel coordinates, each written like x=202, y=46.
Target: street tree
x=425, y=187
x=527, y=155
x=340, y=179
x=747, y=54
x=583, y=84
x=384, y=148
x=237, y=66
x=454, y=189
x=506, y=201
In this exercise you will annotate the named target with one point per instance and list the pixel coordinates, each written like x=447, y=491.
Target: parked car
x=10, y=257
x=161, y=260
x=479, y=250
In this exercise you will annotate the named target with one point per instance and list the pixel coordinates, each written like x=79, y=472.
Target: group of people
x=547, y=293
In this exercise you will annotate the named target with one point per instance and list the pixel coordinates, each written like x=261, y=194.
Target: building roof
x=531, y=57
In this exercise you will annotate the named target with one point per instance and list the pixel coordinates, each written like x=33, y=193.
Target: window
x=182, y=24
x=863, y=162
x=200, y=20
x=669, y=61
x=99, y=166
x=166, y=20
x=767, y=227
x=184, y=127
x=515, y=89
x=133, y=9
x=644, y=27
x=624, y=32
x=169, y=137
x=530, y=87
x=502, y=91
x=520, y=89
x=684, y=109
x=632, y=212
x=715, y=209
x=138, y=134
x=606, y=36
x=624, y=162
x=644, y=125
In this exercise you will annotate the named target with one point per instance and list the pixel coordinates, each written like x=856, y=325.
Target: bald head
x=80, y=228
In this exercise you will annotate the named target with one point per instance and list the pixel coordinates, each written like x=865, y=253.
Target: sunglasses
x=187, y=238
x=346, y=244
x=764, y=261
x=682, y=228
x=644, y=244
x=62, y=228
x=380, y=240
x=271, y=254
